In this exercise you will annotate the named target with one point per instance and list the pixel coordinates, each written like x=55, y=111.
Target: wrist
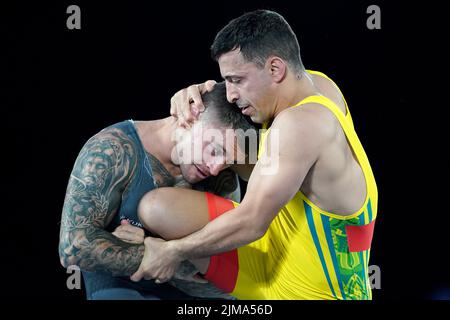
x=176, y=249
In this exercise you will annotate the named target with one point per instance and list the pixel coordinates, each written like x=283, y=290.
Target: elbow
x=257, y=219
x=253, y=233
x=63, y=252
x=64, y=258
x=255, y=228
x=69, y=251
x=259, y=232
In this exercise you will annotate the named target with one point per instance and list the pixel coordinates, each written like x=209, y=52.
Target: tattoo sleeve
x=100, y=174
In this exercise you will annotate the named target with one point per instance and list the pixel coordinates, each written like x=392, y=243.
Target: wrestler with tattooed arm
x=100, y=229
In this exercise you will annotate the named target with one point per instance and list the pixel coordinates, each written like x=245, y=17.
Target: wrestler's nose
x=215, y=168
x=232, y=93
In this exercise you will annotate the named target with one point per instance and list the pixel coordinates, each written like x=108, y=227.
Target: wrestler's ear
x=277, y=68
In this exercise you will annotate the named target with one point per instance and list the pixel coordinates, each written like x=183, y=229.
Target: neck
x=157, y=139
x=293, y=90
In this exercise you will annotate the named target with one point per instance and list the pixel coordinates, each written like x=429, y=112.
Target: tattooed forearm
x=101, y=172
x=94, y=249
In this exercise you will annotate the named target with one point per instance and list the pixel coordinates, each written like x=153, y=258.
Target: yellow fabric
x=304, y=254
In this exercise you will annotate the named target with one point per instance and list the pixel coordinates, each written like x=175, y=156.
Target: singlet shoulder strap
x=323, y=75
x=330, y=105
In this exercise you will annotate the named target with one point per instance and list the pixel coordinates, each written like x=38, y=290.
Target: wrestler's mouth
x=201, y=172
x=245, y=109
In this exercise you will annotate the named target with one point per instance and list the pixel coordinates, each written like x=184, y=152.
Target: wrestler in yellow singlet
x=306, y=253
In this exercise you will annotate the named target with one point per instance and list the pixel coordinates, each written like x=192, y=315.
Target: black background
x=129, y=58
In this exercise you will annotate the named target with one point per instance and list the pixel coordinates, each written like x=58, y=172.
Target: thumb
x=207, y=86
x=138, y=275
x=124, y=221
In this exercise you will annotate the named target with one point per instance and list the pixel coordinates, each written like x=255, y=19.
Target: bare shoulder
x=110, y=155
x=311, y=120
x=100, y=173
x=115, y=136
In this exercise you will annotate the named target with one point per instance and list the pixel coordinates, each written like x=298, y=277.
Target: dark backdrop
x=127, y=61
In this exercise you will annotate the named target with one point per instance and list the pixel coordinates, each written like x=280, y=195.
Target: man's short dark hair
x=259, y=34
x=226, y=114
x=219, y=109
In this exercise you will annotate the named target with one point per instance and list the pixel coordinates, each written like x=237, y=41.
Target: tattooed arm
x=101, y=172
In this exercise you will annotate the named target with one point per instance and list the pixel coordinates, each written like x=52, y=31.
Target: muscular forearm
x=94, y=249
x=229, y=231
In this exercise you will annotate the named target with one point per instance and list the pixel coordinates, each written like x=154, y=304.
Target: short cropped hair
x=258, y=35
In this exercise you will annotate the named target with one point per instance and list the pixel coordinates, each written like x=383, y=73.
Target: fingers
x=209, y=85
x=192, y=101
x=176, y=108
x=130, y=228
x=186, y=105
x=153, y=265
x=178, y=104
x=129, y=233
x=197, y=106
x=129, y=237
x=138, y=275
x=194, y=93
x=173, y=106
